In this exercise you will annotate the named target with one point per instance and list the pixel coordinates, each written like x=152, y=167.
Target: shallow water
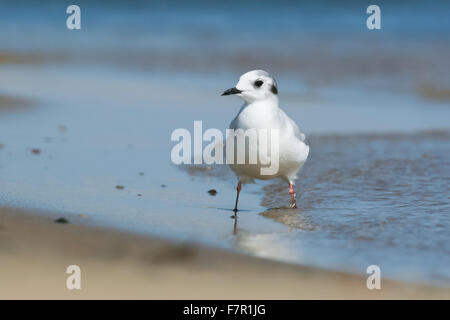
x=363, y=198
x=373, y=191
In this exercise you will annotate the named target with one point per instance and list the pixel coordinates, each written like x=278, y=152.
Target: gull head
x=256, y=85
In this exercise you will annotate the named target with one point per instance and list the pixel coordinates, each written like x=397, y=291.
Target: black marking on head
x=274, y=89
x=258, y=83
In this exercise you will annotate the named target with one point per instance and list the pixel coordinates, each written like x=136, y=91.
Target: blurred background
x=84, y=111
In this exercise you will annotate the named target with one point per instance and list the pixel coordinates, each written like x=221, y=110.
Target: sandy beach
x=35, y=252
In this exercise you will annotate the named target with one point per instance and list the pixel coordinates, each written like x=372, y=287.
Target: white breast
x=293, y=152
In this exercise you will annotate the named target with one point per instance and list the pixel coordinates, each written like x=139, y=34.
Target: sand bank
x=35, y=252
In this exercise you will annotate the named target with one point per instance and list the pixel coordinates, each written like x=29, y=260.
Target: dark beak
x=231, y=91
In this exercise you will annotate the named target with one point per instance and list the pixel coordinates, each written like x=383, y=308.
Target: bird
x=261, y=110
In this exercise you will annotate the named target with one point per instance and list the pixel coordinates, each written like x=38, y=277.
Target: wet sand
x=36, y=251
x=11, y=103
x=24, y=58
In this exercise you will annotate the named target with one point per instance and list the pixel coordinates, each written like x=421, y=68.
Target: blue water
x=374, y=106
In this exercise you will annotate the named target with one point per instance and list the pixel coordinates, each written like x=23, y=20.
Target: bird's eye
x=258, y=83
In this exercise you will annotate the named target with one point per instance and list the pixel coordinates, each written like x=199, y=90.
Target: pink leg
x=238, y=189
x=292, y=193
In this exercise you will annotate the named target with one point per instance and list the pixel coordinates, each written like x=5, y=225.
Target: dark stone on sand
x=139, y=195
x=163, y=186
x=212, y=192
x=120, y=187
x=62, y=220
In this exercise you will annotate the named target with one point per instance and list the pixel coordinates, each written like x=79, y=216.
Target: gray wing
x=301, y=136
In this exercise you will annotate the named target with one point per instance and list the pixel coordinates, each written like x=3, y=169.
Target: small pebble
x=163, y=186
x=139, y=195
x=120, y=187
x=35, y=151
x=62, y=220
x=212, y=192
x=141, y=173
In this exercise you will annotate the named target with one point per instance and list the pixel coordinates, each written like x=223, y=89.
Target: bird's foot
x=293, y=205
